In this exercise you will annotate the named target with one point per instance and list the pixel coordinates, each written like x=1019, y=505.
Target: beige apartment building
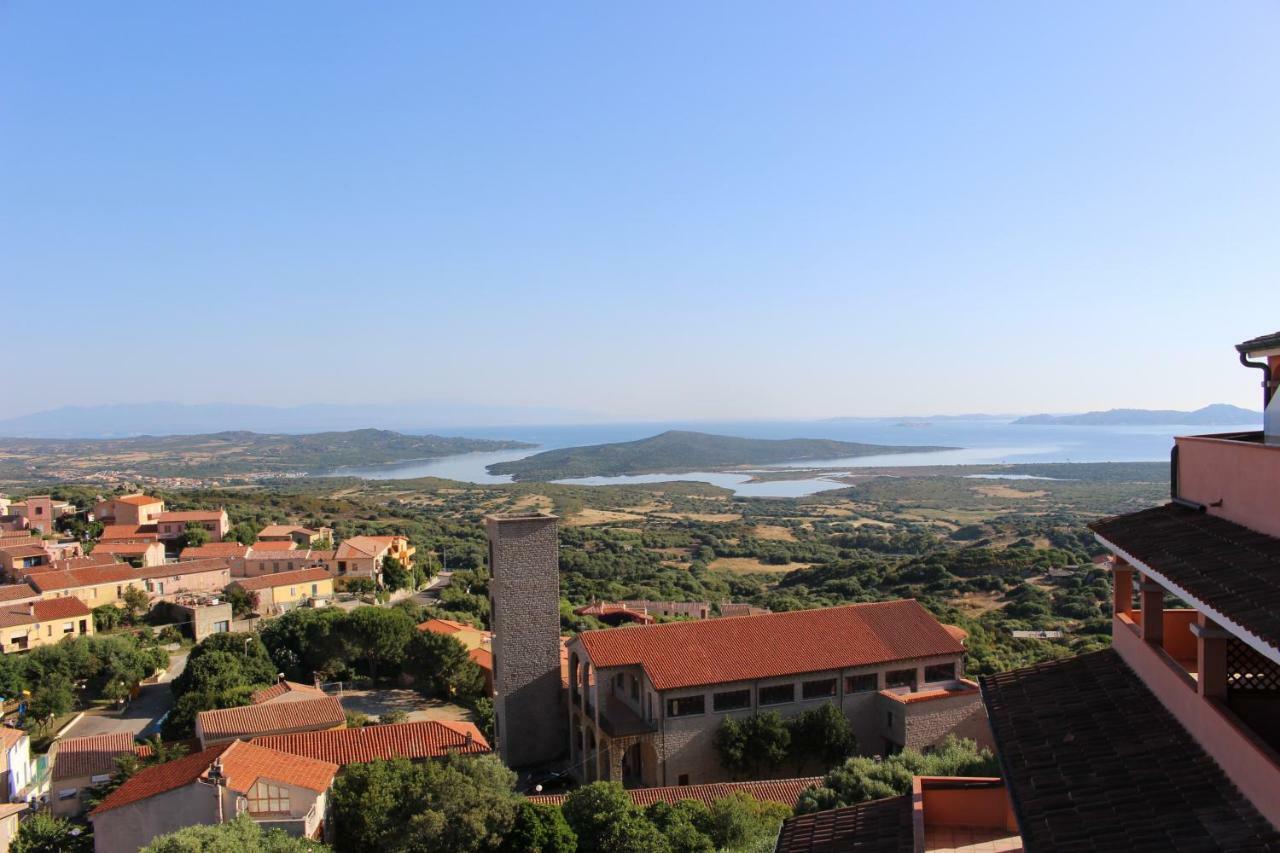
x=129, y=509
x=362, y=556
x=303, y=537
x=272, y=557
x=287, y=590
x=29, y=625
x=171, y=525
x=645, y=702
x=136, y=553
x=94, y=585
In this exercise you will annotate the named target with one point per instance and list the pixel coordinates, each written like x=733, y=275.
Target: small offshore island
x=680, y=451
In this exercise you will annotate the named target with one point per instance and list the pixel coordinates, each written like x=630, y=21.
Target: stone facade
x=622, y=729
x=524, y=559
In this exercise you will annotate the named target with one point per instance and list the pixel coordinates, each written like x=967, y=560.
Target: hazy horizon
x=654, y=213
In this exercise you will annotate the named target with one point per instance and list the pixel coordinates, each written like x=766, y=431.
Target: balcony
x=1236, y=476
x=618, y=720
x=957, y=814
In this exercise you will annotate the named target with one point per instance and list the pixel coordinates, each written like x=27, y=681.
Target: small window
x=683, y=779
x=860, y=683
x=731, y=700
x=635, y=688
x=818, y=689
x=900, y=678
x=777, y=694
x=69, y=628
x=888, y=719
x=940, y=672
x=686, y=706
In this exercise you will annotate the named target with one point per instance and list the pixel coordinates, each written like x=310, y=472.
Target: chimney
x=469, y=740
x=1264, y=354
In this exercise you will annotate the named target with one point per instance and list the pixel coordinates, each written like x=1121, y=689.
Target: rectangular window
x=940, y=672
x=900, y=678
x=860, y=683
x=683, y=779
x=69, y=628
x=635, y=688
x=266, y=798
x=686, y=706
x=818, y=689
x=888, y=719
x=777, y=694
x=731, y=700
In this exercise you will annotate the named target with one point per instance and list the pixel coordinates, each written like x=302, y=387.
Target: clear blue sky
x=694, y=210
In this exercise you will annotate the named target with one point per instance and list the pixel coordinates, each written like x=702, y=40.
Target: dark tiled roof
x=1094, y=761
x=876, y=826
x=1227, y=567
x=1270, y=341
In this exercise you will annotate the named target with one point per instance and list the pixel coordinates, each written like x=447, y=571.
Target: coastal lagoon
x=981, y=441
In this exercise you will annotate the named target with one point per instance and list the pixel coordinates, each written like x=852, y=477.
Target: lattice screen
x=1248, y=670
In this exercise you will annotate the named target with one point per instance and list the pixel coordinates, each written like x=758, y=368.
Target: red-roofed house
x=362, y=556
x=269, y=718
x=137, y=553
x=129, y=533
x=415, y=741
x=94, y=585
x=285, y=691
x=303, y=537
x=129, y=509
x=171, y=525
x=645, y=701
x=276, y=789
x=286, y=590
x=79, y=763
x=266, y=558
x=30, y=624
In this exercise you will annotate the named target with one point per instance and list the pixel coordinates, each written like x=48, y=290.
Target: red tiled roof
x=138, y=500
x=366, y=546
x=282, y=688
x=31, y=612
x=284, y=530
x=482, y=658
x=785, y=791
x=16, y=592
x=185, y=567
x=131, y=548
x=873, y=826
x=191, y=515
x=281, y=545
x=9, y=737
x=90, y=756
x=89, y=576
x=118, y=532
x=429, y=739
x=24, y=550
x=214, y=549
x=605, y=608
x=744, y=648
x=83, y=562
x=243, y=764
x=445, y=626
x=272, y=718
x=282, y=579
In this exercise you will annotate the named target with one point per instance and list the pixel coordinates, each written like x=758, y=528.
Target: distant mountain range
x=134, y=419
x=1218, y=414
x=678, y=451
x=225, y=454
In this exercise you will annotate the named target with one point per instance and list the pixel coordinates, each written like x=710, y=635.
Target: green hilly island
x=679, y=451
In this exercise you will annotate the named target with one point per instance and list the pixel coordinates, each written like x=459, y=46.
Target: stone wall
x=524, y=559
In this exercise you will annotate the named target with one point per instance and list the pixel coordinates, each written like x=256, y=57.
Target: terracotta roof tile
x=10, y=737
x=90, y=756
x=429, y=739
x=31, y=612
x=24, y=550
x=90, y=576
x=445, y=626
x=785, y=791
x=16, y=592
x=1093, y=761
x=282, y=546
x=284, y=530
x=715, y=651
x=282, y=688
x=365, y=546
x=876, y=826
x=138, y=500
x=283, y=579
x=83, y=562
x=243, y=764
x=136, y=549
x=271, y=718
x=214, y=549
x=185, y=567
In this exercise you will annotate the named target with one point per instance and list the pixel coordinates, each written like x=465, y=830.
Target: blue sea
x=979, y=441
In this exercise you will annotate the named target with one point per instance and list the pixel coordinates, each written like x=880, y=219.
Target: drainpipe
x=1268, y=386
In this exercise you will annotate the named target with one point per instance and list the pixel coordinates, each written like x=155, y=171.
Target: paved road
x=143, y=715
